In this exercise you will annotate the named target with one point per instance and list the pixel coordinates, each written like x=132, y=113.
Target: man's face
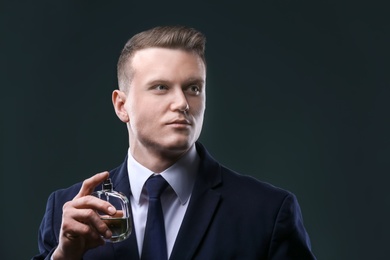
x=166, y=100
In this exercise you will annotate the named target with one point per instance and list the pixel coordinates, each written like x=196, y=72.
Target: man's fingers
x=74, y=231
x=91, y=202
x=89, y=184
x=79, y=221
x=87, y=221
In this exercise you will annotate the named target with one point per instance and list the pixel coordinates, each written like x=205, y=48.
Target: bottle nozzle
x=107, y=184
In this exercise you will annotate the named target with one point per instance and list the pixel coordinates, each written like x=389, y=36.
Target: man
x=210, y=212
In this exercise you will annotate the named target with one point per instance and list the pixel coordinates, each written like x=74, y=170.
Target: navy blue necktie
x=155, y=245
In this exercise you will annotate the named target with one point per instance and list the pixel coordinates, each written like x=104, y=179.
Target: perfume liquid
x=118, y=226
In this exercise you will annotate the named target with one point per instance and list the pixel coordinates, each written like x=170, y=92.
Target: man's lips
x=179, y=122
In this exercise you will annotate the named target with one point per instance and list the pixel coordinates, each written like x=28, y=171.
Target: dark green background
x=297, y=96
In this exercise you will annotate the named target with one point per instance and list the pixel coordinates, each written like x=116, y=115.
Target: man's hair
x=171, y=37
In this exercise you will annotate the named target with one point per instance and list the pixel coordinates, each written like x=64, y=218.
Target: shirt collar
x=180, y=176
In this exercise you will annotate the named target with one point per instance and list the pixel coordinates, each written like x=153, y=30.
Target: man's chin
x=178, y=146
x=171, y=147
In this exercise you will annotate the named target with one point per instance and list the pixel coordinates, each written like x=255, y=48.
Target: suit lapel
x=127, y=249
x=203, y=204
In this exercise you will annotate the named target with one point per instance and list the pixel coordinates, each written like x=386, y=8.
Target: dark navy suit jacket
x=230, y=216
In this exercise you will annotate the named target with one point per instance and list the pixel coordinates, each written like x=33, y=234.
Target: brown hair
x=172, y=37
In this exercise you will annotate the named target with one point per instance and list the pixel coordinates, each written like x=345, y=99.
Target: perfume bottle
x=120, y=224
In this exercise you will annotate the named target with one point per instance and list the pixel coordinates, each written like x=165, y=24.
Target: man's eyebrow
x=167, y=82
x=158, y=81
x=195, y=80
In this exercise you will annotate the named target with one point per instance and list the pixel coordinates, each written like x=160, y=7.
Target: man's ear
x=119, y=100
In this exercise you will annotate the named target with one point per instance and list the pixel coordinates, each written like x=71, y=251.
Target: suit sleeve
x=47, y=238
x=290, y=240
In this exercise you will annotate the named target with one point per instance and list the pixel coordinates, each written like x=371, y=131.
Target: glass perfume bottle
x=120, y=224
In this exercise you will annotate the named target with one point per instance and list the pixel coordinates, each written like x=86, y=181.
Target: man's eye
x=161, y=87
x=195, y=89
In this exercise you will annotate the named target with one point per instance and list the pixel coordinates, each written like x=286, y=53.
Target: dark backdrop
x=297, y=96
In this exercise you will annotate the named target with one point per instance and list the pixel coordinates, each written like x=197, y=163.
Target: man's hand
x=81, y=227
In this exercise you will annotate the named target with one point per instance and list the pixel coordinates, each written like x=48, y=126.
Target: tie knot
x=155, y=185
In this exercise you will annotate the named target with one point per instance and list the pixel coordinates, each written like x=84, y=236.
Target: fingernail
x=108, y=234
x=111, y=210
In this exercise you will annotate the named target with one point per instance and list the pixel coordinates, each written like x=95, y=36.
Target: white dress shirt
x=174, y=200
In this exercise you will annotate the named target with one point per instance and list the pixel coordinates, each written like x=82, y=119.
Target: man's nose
x=180, y=102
